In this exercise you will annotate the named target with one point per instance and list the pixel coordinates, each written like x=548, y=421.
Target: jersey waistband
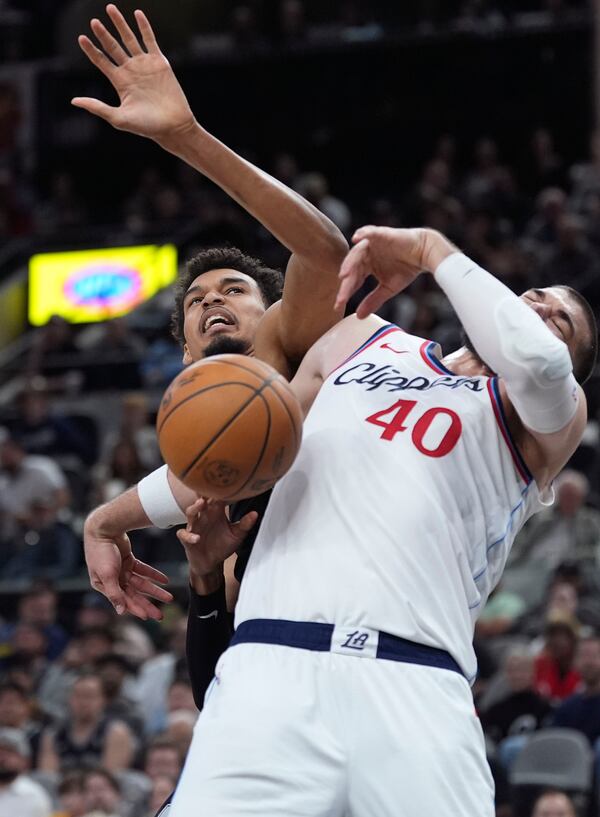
x=361, y=642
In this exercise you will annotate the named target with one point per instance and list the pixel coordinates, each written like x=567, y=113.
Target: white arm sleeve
x=514, y=342
x=158, y=502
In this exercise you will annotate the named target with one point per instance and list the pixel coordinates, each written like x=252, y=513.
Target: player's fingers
x=373, y=301
x=352, y=273
x=125, y=32
x=113, y=591
x=368, y=231
x=187, y=538
x=110, y=44
x=146, y=31
x=143, y=608
x=195, y=508
x=142, y=569
x=246, y=524
x=144, y=585
x=96, y=57
x=94, y=106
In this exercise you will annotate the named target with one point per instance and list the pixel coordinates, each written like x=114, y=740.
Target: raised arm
x=534, y=364
x=152, y=104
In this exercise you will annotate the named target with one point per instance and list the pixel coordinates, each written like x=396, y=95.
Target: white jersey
x=400, y=510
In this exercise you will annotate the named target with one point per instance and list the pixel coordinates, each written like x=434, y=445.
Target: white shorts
x=293, y=733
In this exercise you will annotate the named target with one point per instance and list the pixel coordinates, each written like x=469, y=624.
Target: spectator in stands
x=499, y=615
x=102, y=794
x=568, y=594
x=27, y=649
x=181, y=696
x=568, y=530
x=162, y=786
x=542, y=230
x=44, y=547
x=118, y=679
x=124, y=469
x=131, y=639
x=162, y=759
x=522, y=709
x=18, y=711
x=116, y=344
x=554, y=803
x=19, y=794
x=55, y=355
x=25, y=480
x=157, y=675
x=71, y=801
x=581, y=711
x=89, y=736
x=555, y=674
x=136, y=427
x=39, y=606
x=96, y=643
x=45, y=432
x=572, y=256
x=180, y=728
x=55, y=688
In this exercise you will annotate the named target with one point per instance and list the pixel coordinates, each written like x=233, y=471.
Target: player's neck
x=466, y=363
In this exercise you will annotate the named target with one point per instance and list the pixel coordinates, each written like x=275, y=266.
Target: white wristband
x=158, y=502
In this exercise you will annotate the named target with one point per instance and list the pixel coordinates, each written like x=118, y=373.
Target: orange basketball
x=229, y=427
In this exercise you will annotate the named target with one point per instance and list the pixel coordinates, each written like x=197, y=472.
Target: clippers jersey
x=400, y=510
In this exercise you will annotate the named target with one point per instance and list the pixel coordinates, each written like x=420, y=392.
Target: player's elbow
x=332, y=248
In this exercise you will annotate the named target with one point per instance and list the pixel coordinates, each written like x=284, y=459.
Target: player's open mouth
x=216, y=320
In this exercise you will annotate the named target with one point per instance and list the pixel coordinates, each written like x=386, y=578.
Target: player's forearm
x=511, y=339
x=121, y=514
x=296, y=223
x=208, y=636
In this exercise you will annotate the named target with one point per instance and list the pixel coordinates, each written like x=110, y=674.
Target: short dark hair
x=270, y=281
x=584, y=365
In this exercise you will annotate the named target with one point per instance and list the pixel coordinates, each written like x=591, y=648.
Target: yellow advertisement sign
x=96, y=285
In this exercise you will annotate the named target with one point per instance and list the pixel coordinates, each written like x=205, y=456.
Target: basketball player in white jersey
x=236, y=300
x=346, y=688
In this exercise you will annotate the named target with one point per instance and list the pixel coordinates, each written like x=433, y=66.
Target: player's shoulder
x=345, y=338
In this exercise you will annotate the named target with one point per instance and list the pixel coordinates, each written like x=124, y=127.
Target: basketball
x=229, y=427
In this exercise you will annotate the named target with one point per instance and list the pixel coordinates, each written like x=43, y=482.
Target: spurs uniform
x=347, y=683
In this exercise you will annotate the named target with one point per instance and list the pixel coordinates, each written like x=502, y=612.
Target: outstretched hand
x=152, y=101
x=394, y=257
x=128, y=583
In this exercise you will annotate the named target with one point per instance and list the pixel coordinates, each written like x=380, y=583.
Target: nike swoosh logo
x=395, y=351
x=214, y=613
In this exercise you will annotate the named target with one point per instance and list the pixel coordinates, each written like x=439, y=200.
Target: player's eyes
x=234, y=289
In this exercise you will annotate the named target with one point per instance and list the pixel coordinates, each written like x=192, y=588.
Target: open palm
x=152, y=101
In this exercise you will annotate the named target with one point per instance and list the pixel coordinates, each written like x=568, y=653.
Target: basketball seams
x=286, y=407
x=200, y=391
x=263, y=447
x=240, y=410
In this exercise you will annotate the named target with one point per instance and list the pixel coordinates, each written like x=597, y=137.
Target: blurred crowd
x=96, y=711
x=258, y=24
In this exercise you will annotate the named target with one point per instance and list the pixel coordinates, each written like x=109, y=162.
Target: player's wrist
x=204, y=583
x=436, y=248
x=182, y=139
